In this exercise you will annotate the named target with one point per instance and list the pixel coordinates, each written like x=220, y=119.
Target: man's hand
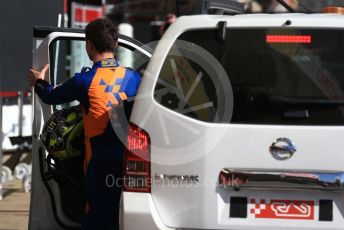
x=34, y=75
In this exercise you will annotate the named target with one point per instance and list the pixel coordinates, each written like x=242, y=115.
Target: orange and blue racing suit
x=99, y=89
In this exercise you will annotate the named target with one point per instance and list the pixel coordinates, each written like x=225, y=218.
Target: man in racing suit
x=99, y=89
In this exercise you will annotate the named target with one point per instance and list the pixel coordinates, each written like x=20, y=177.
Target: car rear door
x=246, y=123
x=52, y=207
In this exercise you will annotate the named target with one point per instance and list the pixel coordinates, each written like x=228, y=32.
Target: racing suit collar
x=109, y=62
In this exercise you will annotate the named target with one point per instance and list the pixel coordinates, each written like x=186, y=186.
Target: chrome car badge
x=177, y=178
x=282, y=149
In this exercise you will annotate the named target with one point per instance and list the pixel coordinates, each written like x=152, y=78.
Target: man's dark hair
x=103, y=34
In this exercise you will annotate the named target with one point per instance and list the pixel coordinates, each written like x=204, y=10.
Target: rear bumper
x=138, y=212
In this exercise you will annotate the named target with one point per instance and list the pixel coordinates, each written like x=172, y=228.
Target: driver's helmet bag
x=63, y=134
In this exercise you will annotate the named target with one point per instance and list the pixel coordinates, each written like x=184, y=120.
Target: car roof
x=275, y=15
x=316, y=20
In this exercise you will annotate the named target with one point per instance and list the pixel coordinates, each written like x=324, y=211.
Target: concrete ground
x=14, y=207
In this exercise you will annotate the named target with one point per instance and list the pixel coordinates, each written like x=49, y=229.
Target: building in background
x=146, y=16
x=18, y=18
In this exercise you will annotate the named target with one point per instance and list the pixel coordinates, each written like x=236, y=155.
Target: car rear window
x=273, y=76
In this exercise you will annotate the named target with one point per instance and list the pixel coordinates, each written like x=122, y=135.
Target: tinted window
x=295, y=77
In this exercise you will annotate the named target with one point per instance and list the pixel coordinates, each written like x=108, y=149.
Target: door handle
x=236, y=179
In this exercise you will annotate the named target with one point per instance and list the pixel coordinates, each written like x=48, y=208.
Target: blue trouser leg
x=102, y=189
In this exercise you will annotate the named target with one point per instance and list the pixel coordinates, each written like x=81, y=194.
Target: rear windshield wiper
x=301, y=101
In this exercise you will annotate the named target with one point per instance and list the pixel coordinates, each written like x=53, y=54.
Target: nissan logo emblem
x=282, y=149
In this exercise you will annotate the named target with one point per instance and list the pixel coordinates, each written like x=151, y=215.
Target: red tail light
x=137, y=161
x=288, y=39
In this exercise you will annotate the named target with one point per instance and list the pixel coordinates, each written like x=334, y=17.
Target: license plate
x=258, y=208
x=282, y=209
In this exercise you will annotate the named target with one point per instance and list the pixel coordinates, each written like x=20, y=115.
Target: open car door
x=57, y=201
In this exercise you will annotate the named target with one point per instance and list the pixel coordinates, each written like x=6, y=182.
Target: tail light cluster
x=137, y=161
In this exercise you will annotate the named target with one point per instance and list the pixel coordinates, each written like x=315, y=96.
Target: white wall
x=10, y=123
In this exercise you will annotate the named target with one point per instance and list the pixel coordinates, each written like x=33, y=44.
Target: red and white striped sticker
x=282, y=209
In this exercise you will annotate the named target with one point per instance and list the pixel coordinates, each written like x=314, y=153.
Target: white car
x=238, y=124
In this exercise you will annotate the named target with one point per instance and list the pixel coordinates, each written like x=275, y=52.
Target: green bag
x=63, y=134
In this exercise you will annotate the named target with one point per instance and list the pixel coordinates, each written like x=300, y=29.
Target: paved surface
x=14, y=207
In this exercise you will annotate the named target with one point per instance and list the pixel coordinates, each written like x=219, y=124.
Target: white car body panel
x=182, y=145
x=138, y=212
